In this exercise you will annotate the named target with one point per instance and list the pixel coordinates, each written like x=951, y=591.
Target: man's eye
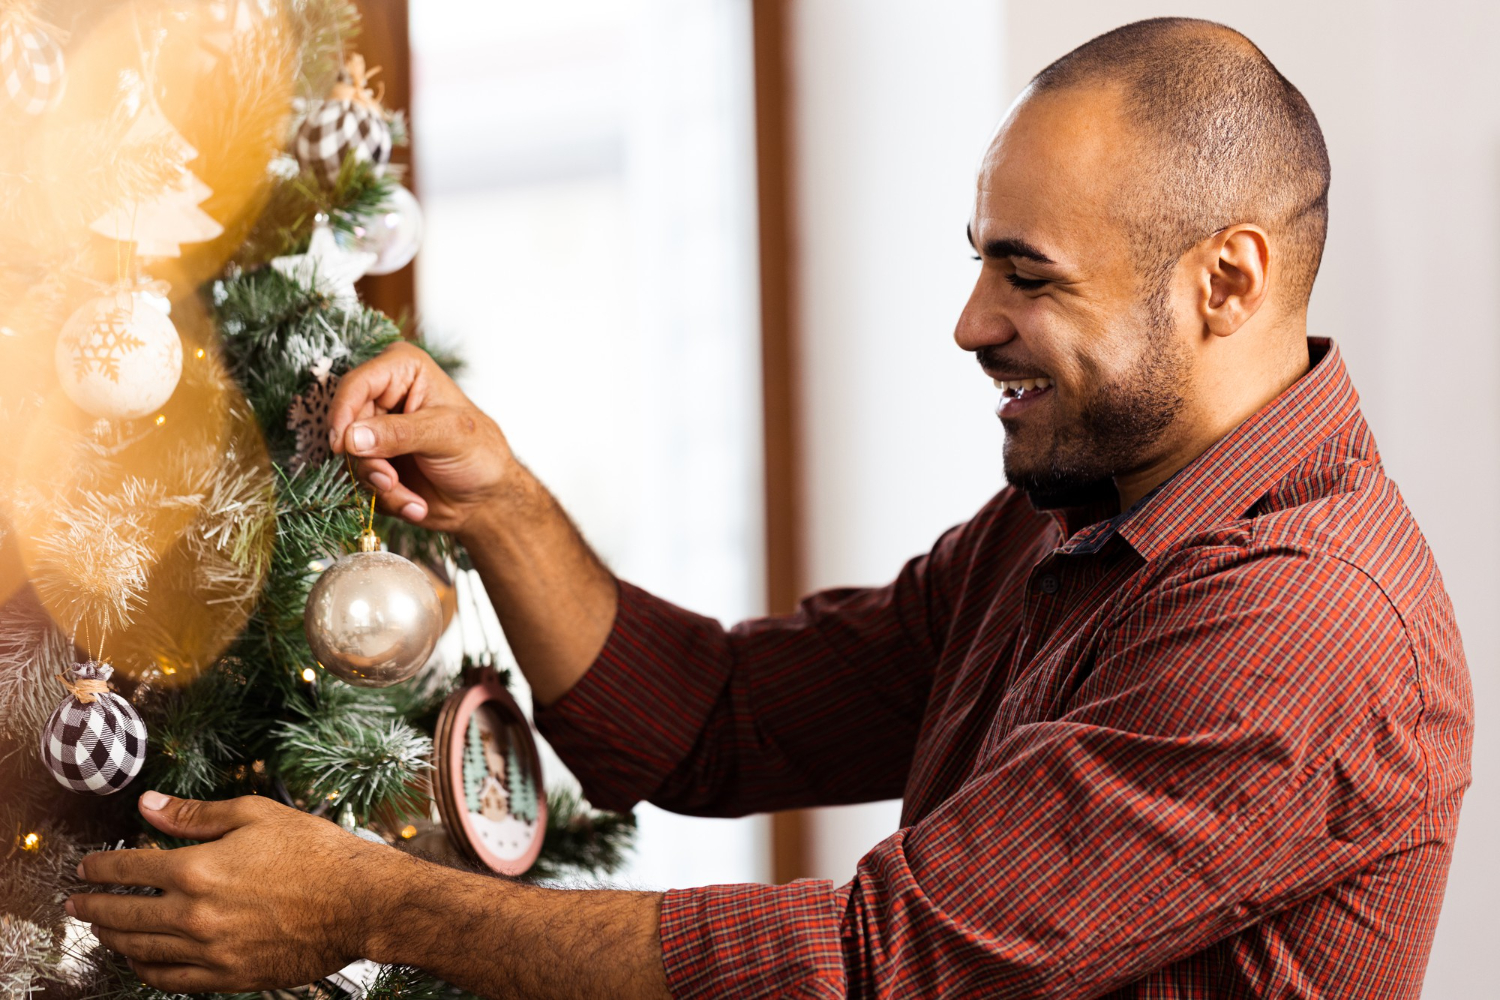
x=1025, y=284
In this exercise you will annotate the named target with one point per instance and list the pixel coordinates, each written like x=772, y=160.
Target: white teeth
x=1014, y=387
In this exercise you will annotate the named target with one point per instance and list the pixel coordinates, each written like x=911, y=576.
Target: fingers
x=435, y=432
x=139, y=868
x=402, y=373
x=178, y=979
x=144, y=914
x=197, y=820
x=156, y=949
x=395, y=497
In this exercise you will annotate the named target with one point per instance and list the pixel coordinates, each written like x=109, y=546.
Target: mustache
x=992, y=358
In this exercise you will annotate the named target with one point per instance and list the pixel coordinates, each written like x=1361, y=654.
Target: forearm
x=555, y=600
x=499, y=938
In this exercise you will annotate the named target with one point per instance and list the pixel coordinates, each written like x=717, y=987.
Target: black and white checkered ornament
x=350, y=121
x=31, y=63
x=95, y=741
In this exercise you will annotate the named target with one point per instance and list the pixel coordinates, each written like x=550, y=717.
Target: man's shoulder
x=1349, y=513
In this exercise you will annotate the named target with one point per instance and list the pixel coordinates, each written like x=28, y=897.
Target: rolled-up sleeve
x=1243, y=740
x=818, y=707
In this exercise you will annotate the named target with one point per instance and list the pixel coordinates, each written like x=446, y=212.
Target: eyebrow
x=1009, y=247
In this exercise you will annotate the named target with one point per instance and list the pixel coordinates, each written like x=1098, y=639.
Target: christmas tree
x=518, y=781
x=474, y=766
x=180, y=546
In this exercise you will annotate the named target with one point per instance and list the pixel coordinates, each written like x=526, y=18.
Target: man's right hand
x=430, y=454
x=435, y=459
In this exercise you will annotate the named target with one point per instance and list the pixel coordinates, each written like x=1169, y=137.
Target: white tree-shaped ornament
x=160, y=223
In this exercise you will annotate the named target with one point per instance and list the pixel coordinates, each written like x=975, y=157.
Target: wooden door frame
x=385, y=41
x=780, y=385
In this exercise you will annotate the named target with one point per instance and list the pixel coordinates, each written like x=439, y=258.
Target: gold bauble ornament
x=373, y=618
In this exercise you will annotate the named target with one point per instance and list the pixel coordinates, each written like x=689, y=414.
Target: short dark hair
x=1231, y=141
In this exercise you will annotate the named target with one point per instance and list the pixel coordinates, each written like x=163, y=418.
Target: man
x=1182, y=712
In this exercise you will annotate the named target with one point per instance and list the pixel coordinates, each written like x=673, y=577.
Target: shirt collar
x=1228, y=479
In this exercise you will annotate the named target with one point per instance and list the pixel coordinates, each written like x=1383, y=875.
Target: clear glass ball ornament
x=393, y=234
x=373, y=617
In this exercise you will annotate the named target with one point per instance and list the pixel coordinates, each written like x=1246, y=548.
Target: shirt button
x=1050, y=585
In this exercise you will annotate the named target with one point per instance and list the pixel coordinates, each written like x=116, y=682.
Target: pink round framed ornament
x=489, y=776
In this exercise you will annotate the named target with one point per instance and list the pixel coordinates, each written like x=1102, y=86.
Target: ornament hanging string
x=368, y=540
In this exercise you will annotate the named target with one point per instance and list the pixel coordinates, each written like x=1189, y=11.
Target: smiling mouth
x=1016, y=388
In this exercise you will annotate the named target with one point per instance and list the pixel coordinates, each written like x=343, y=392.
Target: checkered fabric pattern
x=333, y=130
x=1214, y=747
x=96, y=747
x=31, y=68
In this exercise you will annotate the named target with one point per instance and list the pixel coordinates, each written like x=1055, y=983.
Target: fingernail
x=413, y=511
x=154, y=800
x=70, y=909
x=80, y=871
x=380, y=480
x=333, y=437
x=364, y=439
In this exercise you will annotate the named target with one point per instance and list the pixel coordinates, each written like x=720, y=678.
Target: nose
x=984, y=321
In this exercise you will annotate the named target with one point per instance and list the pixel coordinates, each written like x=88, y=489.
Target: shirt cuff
x=635, y=715
x=750, y=941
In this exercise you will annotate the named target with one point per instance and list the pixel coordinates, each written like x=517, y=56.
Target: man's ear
x=1232, y=283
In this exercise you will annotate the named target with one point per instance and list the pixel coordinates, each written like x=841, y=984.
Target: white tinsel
x=24, y=949
x=32, y=651
x=94, y=557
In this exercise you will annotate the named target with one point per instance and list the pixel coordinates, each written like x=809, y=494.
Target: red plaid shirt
x=1213, y=747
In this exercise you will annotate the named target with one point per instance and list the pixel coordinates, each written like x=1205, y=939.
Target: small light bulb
x=160, y=419
x=408, y=831
x=308, y=675
x=31, y=842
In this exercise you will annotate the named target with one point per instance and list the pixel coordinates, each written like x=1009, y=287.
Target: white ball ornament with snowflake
x=119, y=356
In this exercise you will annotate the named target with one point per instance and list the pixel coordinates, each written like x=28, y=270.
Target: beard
x=1114, y=428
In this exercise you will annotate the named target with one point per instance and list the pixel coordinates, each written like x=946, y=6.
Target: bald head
x=1221, y=138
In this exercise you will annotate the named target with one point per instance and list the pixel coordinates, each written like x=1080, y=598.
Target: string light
x=308, y=674
x=31, y=842
x=408, y=831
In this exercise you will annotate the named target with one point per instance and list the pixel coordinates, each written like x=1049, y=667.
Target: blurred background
x=705, y=257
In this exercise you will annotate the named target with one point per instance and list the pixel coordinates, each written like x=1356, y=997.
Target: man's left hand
x=274, y=897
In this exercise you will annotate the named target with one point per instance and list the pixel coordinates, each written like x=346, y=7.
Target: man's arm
x=1245, y=739
x=822, y=706
x=236, y=913
x=437, y=460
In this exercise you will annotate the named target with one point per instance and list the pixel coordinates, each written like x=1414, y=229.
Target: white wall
x=894, y=102
x=897, y=99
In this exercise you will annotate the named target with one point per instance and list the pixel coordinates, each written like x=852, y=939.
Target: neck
x=1231, y=400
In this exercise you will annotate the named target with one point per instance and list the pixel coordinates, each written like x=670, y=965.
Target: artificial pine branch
x=353, y=751
x=580, y=840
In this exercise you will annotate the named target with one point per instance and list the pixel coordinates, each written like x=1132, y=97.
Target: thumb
x=438, y=432
x=193, y=819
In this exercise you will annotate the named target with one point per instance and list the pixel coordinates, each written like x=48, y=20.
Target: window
x=587, y=174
